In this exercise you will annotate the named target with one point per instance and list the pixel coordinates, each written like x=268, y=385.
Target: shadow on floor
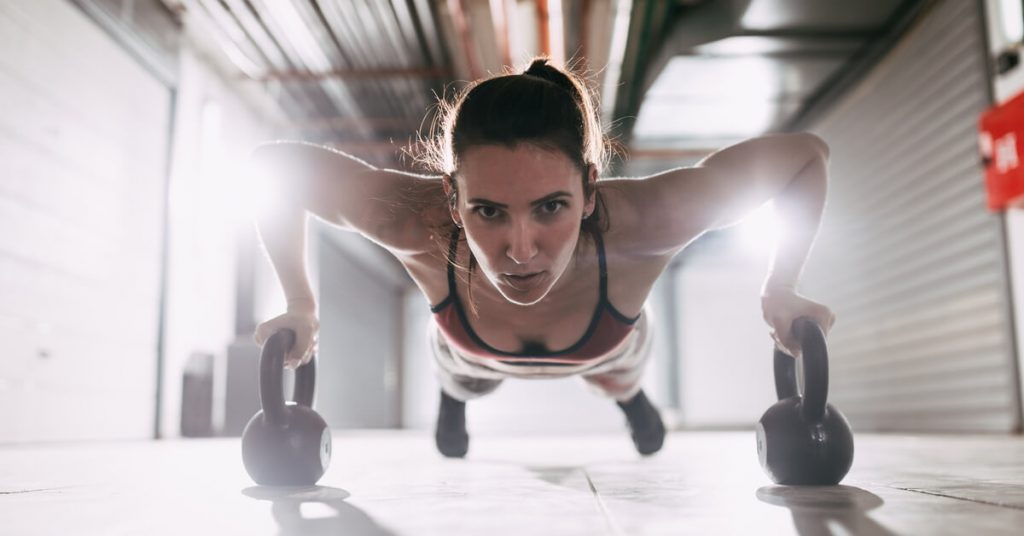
x=556, y=474
x=287, y=504
x=815, y=508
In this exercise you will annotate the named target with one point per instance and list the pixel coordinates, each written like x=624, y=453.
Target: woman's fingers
x=306, y=328
x=258, y=336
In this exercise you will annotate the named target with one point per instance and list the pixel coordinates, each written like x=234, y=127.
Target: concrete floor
x=383, y=483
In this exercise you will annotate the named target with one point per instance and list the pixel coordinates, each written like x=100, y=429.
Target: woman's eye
x=487, y=213
x=553, y=207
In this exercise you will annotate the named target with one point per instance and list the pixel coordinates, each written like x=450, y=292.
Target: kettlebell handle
x=272, y=376
x=813, y=363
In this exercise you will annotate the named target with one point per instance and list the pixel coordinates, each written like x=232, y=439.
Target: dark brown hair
x=544, y=106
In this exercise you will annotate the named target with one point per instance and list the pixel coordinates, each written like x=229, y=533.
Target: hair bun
x=540, y=68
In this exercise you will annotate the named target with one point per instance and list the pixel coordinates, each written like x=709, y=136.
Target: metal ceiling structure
x=676, y=77
x=711, y=72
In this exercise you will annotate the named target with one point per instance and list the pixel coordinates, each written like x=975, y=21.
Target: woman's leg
x=620, y=379
x=457, y=386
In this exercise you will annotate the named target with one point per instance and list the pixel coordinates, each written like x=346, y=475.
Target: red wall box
x=1001, y=143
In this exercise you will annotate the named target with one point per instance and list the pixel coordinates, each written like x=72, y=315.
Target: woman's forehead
x=526, y=167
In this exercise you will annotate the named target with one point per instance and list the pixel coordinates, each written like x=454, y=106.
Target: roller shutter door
x=908, y=256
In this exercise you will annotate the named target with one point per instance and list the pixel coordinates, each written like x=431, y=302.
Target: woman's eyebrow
x=550, y=197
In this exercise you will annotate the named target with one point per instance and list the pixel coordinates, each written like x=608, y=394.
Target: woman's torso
x=561, y=319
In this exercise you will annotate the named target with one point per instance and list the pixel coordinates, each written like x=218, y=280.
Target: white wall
x=83, y=140
x=725, y=349
x=214, y=132
x=360, y=338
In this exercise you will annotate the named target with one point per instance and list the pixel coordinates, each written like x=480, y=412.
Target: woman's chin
x=518, y=300
x=525, y=299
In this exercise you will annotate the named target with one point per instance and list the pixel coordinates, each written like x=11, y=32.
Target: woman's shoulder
x=646, y=216
x=347, y=191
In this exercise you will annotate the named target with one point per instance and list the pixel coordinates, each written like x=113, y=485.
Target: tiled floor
x=383, y=483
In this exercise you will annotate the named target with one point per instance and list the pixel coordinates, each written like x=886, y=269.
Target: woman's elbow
x=817, y=143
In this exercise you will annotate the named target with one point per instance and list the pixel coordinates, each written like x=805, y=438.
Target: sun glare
x=759, y=232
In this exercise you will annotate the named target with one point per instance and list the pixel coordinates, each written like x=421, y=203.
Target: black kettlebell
x=803, y=440
x=285, y=444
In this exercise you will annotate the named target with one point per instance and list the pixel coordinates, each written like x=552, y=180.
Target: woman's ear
x=588, y=209
x=446, y=181
x=451, y=195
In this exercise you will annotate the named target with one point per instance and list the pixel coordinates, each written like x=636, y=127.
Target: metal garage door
x=908, y=256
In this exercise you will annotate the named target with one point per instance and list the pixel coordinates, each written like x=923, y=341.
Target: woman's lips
x=525, y=282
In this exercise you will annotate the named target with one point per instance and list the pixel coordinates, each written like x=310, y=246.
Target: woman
x=532, y=266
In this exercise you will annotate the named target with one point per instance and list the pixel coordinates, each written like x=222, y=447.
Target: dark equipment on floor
x=285, y=445
x=801, y=439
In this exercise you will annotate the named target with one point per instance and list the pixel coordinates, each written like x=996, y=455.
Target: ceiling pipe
x=428, y=30
x=585, y=9
x=462, y=27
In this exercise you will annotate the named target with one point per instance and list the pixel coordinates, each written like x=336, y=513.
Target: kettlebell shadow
x=286, y=507
x=815, y=508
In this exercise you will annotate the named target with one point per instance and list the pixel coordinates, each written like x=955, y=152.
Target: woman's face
x=521, y=209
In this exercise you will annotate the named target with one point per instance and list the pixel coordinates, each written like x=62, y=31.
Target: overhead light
x=742, y=45
x=667, y=119
x=765, y=15
x=759, y=233
x=1012, y=20
x=742, y=77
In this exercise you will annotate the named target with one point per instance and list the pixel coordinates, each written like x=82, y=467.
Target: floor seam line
x=608, y=521
x=27, y=491
x=978, y=501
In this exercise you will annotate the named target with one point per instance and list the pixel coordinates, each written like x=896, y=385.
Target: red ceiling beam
x=584, y=58
x=542, y=28
x=462, y=27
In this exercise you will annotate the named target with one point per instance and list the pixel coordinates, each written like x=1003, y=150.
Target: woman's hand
x=782, y=305
x=306, y=327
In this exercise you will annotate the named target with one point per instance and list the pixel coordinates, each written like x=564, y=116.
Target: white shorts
x=617, y=375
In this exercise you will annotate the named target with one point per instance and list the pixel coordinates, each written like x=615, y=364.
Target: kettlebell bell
x=802, y=439
x=285, y=444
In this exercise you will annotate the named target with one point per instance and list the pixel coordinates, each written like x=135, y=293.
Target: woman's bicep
x=675, y=206
x=661, y=213
x=742, y=177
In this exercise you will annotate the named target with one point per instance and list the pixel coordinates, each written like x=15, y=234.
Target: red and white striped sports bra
x=607, y=330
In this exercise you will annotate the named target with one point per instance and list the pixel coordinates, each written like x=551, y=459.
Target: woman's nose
x=522, y=246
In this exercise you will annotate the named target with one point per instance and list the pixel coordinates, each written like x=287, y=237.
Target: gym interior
x=132, y=277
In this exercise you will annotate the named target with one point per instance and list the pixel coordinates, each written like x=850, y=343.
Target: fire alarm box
x=1001, y=143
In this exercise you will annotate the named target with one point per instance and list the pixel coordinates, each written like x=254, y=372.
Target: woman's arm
x=670, y=209
x=799, y=207
x=388, y=207
x=790, y=170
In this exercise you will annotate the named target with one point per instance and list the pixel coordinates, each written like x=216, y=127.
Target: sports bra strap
x=603, y=267
x=451, y=274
